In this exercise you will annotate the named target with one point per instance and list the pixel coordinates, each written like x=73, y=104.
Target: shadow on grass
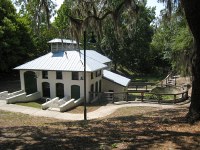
x=149, y=130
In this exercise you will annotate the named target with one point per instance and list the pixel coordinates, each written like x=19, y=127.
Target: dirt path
x=99, y=113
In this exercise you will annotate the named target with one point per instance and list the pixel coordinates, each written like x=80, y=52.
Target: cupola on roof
x=63, y=41
x=63, y=45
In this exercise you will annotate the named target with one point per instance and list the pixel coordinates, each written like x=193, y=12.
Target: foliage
x=172, y=42
x=118, y=34
x=136, y=42
x=40, y=41
x=15, y=42
x=133, y=41
x=38, y=12
x=62, y=20
x=37, y=16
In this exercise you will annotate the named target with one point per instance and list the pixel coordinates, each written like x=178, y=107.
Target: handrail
x=145, y=92
x=168, y=93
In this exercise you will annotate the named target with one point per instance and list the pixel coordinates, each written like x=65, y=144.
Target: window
x=45, y=74
x=75, y=76
x=53, y=47
x=60, y=47
x=96, y=73
x=96, y=88
x=92, y=90
x=58, y=74
x=111, y=94
x=99, y=72
x=92, y=75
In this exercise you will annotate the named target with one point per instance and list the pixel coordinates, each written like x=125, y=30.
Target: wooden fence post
x=126, y=96
x=174, y=98
x=142, y=96
x=159, y=98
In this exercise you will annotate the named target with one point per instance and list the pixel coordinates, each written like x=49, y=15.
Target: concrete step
x=54, y=109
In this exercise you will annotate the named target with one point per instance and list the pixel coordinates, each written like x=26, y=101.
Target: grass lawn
x=31, y=104
x=90, y=107
x=148, y=78
x=127, y=128
x=77, y=110
x=36, y=104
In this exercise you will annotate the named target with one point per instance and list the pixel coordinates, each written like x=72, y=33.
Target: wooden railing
x=126, y=96
x=140, y=86
x=184, y=96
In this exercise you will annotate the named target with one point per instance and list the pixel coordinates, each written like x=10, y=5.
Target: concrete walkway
x=99, y=113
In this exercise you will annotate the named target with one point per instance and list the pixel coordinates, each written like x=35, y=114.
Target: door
x=30, y=82
x=92, y=92
x=59, y=90
x=75, y=91
x=46, y=89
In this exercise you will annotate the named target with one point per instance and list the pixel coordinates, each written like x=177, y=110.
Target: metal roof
x=63, y=41
x=96, y=56
x=67, y=61
x=116, y=78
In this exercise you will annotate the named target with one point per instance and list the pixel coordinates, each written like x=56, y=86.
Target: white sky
x=159, y=6
x=58, y=3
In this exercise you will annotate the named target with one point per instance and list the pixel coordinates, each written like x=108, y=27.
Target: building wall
x=108, y=85
x=66, y=80
x=22, y=79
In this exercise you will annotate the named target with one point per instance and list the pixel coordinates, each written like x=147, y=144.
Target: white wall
x=116, y=88
x=67, y=81
x=108, y=85
x=22, y=79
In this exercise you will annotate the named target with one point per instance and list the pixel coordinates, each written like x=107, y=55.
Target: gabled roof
x=116, y=78
x=97, y=56
x=63, y=41
x=67, y=61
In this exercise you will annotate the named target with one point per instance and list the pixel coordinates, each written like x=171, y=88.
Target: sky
x=150, y=3
x=159, y=6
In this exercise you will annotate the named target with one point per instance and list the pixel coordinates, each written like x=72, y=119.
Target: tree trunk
x=192, y=13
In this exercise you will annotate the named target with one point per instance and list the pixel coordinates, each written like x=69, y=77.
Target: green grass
x=36, y=104
x=148, y=78
x=79, y=109
x=138, y=77
x=30, y=104
x=134, y=96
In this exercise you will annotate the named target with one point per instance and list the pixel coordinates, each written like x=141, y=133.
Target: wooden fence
x=141, y=86
x=127, y=96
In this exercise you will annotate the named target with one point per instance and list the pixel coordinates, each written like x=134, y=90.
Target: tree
x=15, y=42
x=191, y=11
x=39, y=12
x=118, y=35
x=133, y=42
x=172, y=44
x=62, y=20
x=137, y=41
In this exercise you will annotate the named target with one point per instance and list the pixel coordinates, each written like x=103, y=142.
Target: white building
x=60, y=73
